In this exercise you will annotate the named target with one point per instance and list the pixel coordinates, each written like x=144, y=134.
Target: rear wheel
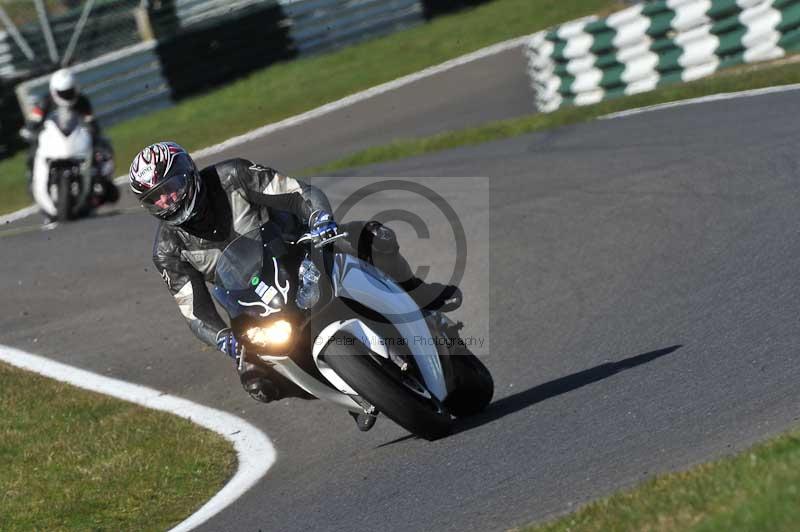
x=390, y=390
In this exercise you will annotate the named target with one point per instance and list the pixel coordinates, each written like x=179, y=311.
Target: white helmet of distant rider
x=64, y=87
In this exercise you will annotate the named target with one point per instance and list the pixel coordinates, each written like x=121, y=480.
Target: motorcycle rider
x=64, y=92
x=202, y=211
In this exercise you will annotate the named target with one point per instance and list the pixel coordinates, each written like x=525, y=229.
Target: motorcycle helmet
x=166, y=182
x=63, y=87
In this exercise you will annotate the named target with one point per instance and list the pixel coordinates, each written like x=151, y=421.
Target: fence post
x=143, y=23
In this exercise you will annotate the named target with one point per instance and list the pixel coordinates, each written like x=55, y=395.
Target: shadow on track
x=537, y=394
x=397, y=440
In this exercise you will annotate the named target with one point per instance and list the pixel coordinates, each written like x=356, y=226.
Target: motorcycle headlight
x=275, y=334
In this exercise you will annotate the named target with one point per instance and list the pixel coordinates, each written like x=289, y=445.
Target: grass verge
x=76, y=460
x=290, y=88
x=779, y=73
x=752, y=491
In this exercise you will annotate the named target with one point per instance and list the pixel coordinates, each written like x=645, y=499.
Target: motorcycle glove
x=321, y=224
x=227, y=343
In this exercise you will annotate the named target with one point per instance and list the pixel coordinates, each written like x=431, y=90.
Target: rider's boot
x=380, y=244
x=433, y=296
x=48, y=220
x=110, y=191
x=104, y=192
x=255, y=381
x=364, y=421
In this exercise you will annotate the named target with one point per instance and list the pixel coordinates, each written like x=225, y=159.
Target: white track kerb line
x=18, y=215
x=255, y=451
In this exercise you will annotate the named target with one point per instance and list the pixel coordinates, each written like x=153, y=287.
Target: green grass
x=758, y=490
x=75, y=460
x=727, y=81
x=290, y=88
x=13, y=190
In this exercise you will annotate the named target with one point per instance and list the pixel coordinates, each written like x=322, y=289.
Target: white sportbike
x=63, y=175
x=344, y=332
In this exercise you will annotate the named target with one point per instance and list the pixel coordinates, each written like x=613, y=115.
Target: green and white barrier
x=656, y=43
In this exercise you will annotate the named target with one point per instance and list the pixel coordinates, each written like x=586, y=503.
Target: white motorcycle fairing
x=360, y=281
x=54, y=146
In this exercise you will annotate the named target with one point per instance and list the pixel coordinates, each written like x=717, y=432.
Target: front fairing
x=251, y=276
x=71, y=144
x=359, y=281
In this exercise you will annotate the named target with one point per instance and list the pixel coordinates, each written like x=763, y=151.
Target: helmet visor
x=168, y=197
x=67, y=95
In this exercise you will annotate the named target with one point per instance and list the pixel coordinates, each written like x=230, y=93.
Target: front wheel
x=64, y=200
x=381, y=384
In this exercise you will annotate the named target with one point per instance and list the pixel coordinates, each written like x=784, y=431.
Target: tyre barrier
x=657, y=43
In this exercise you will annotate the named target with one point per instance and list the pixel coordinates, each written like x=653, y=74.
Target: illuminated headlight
x=274, y=334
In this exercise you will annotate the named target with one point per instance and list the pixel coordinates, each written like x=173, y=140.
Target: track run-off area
x=642, y=316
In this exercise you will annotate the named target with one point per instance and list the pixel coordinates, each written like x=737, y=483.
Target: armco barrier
x=652, y=44
x=120, y=85
x=200, y=12
x=167, y=17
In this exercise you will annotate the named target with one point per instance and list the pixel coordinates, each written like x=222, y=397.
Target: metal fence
x=39, y=36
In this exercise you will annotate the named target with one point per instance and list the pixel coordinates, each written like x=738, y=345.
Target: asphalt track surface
x=643, y=316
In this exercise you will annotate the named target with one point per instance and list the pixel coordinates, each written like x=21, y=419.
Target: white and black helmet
x=165, y=180
x=63, y=87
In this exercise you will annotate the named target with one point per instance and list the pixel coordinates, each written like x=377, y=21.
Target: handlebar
x=320, y=242
x=330, y=240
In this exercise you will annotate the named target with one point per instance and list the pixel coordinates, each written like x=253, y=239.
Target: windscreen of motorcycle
x=67, y=120
x=248, y=275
